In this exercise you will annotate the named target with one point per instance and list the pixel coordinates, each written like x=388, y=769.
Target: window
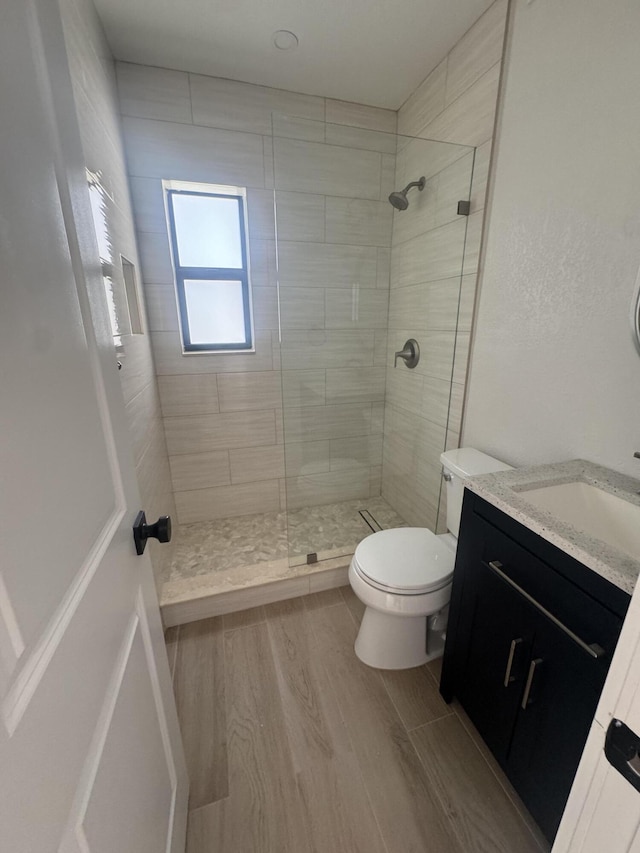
x=208, y=230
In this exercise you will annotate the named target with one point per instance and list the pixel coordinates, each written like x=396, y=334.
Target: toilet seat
x=405, y=560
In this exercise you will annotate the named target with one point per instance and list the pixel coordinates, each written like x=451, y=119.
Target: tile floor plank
x=415, y=696
x=410, y=818
x=295, y=746
x=479, y=809
x=435, y=668
x=199, y=684
x=243, y=618
x=338, y=810
x=324, y=598
x=356, y=607
x=263, y=812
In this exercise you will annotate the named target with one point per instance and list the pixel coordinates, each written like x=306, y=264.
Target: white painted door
x=603, y=811
x=90, y=755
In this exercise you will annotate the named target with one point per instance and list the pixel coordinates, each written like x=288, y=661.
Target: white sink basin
x=592, y=511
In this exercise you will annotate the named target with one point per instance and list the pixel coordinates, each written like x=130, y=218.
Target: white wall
x=554, y=373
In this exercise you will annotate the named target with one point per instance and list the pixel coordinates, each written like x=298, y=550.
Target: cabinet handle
x=527, y=690
x=512, y=652
x=592, y=649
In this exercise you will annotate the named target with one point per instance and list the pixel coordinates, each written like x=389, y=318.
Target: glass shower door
x=335, y=231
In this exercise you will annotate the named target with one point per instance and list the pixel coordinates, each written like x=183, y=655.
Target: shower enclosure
x=363, y=266
x=348, y=436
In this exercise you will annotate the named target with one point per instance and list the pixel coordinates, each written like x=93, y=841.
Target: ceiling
x=368, y=51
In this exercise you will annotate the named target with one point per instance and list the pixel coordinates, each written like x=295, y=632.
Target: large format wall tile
x=434, y=255
x=328, y=348
x=433, y=304
x=477, y=51
x=357, y=308
x=162, y=314
x=257, y=463
x=355, y=452
x=228, y=501
x=302, y=308
x=265, y=309
x=155, y=258
x=326, y=265
x=188, y=153
x=239, y=392
x=303, y=388
x=260, y=214
x=147, y=199
x=355, y=137
x=358, y=221
x=317, y=423
x=326, y=169
x=307, y=457
x=355, y=384
x=200, y=470
x=470, y=118
x=157, y=93
x=243, y=106
x=203, y=433
x=424, y=104
x=359, y=115
x=300, y=216
x=189, y=395
x=331, y=487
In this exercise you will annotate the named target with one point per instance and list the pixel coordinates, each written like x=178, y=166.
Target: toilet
x=403, y=577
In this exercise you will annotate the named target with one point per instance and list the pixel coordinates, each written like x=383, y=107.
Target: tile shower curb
x=204, y=603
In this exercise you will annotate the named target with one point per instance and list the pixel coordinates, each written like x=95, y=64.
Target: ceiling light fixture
x=285, y=40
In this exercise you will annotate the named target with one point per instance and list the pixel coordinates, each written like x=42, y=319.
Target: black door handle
x=622, y=748
x=142, y=531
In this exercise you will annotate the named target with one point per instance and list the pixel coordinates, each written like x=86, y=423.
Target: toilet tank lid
x=467, y=462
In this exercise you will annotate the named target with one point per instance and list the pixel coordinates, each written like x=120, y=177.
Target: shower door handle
x=410, y=354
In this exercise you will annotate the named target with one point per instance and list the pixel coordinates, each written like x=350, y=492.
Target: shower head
x=399, y=199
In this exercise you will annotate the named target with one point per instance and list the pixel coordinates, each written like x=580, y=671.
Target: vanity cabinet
x=530, y=639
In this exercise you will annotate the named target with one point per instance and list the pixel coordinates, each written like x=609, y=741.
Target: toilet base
x=385, y=641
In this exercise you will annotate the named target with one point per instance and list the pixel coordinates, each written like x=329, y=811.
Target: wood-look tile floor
x=293, y=745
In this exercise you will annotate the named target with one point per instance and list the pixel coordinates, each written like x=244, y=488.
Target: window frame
x=182, y=273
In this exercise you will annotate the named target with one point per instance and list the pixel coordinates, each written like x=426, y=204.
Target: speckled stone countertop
x=504, y=489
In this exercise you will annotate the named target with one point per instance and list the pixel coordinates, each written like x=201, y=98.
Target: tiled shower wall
x=94, y=88
x=223, y=414
x=455, y=104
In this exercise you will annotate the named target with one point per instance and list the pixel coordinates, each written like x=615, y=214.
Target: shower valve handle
x=410, y=354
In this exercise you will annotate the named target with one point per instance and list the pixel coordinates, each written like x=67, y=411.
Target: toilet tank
x=458, y=465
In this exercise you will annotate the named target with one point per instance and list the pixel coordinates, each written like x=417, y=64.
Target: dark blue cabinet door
x=499, y=635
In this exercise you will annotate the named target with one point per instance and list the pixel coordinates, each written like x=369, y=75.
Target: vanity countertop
x=504, y=489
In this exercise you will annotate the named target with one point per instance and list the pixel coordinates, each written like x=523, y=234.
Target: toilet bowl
x=403, y=577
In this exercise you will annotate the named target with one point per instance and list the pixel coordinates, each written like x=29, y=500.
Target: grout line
x=431, y=722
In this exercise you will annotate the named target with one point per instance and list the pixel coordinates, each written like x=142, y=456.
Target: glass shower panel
x=335, y=233
x=432, y=286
